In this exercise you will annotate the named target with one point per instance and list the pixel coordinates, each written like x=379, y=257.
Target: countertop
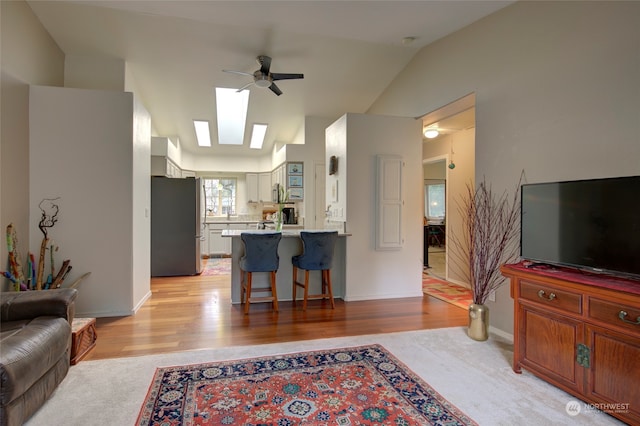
x=230, y=221
x=249, y=222
x=286, y=233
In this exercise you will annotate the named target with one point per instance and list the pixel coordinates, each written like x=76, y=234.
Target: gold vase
x=478, y=322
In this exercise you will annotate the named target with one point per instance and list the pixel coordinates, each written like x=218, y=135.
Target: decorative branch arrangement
x=489, y=237
x=35, y=280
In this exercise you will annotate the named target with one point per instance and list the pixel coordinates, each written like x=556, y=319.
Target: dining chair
x=317, y=255
x=436, y=236
x=260, y=255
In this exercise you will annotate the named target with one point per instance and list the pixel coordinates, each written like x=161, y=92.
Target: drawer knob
x=623, y=316
x=541, y=295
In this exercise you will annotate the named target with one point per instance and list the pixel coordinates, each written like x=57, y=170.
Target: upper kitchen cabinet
x=258, y=187
x=252, y=187
x=264, y=187
x=278, y=175
x=163, y=151
x=163, y=166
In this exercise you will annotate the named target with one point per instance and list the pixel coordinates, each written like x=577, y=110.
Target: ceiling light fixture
x=431, y=132
x=408, y=40
x=257, y=136
x=202, y=132
x=262, y=81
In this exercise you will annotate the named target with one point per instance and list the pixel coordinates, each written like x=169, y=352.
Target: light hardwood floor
x=186, y=313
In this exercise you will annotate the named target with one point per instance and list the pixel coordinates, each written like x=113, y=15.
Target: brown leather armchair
x=35, y=343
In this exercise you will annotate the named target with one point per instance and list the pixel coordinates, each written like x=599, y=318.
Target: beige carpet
x=474, y=376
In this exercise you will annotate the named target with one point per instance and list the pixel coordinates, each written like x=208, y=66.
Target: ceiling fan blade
x=238, y=72
x=279, y=76
x=275, y=89
x=265, y=64
x=245, y=86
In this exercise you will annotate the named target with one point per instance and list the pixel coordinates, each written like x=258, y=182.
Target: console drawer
x=611, y=313
x=551, y=296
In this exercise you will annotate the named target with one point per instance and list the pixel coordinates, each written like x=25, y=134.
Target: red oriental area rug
x=348, y=386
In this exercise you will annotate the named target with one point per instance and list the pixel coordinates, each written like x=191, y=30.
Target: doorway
x=449, y=157
x=435, y=207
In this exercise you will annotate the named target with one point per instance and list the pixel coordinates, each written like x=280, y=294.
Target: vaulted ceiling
x=175, y=51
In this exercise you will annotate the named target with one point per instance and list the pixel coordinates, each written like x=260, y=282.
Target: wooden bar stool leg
x=306, y=289
x=295, y=285
x=327, y=273
x=242, y=288
x=246, y=305
x=273, y=291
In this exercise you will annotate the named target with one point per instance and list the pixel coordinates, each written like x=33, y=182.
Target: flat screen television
x=587, y=224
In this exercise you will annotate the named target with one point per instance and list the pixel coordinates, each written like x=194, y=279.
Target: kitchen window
x=220, y=196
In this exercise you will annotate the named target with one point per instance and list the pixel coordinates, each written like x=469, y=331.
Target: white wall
x=94, y=72
x=336, y=184
x=315, y=141
x=141, y=205
x=82, y=149
x=436, y=170
x=547, y=76
x=309, y=149
x=375, y=274
x=207, y=163
x=28, y=56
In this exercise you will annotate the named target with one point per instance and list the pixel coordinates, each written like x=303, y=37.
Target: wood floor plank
x=186, y=313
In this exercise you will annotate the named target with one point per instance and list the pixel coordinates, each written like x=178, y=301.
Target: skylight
x=202, y=132
x=257, y=136
x=232, y=115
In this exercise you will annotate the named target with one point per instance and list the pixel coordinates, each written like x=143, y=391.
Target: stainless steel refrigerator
x=176, y=226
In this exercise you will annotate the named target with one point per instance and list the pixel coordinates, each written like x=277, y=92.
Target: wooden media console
x=580, y=332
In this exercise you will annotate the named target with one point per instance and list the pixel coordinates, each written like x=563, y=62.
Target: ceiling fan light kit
x=264, y=78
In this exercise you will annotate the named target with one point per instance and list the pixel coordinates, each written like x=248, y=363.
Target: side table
x=83, y=338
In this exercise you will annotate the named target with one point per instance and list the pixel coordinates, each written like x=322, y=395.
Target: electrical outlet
x=492, y=296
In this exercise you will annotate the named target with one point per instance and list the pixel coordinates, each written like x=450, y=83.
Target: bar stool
x=260, y=255
x=317, y=255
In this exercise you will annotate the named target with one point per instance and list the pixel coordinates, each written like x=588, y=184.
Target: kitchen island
x=290, y=245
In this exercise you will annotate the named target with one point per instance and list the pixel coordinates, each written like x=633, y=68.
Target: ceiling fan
x=263, y=78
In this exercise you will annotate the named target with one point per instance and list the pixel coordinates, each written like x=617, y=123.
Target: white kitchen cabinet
x=278, y=175
x=217, y=244
x=264, y=187
x=252, y=187
x=259, y=187
x=163, y=166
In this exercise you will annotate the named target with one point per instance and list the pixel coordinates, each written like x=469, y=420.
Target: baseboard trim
x=501, y=333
